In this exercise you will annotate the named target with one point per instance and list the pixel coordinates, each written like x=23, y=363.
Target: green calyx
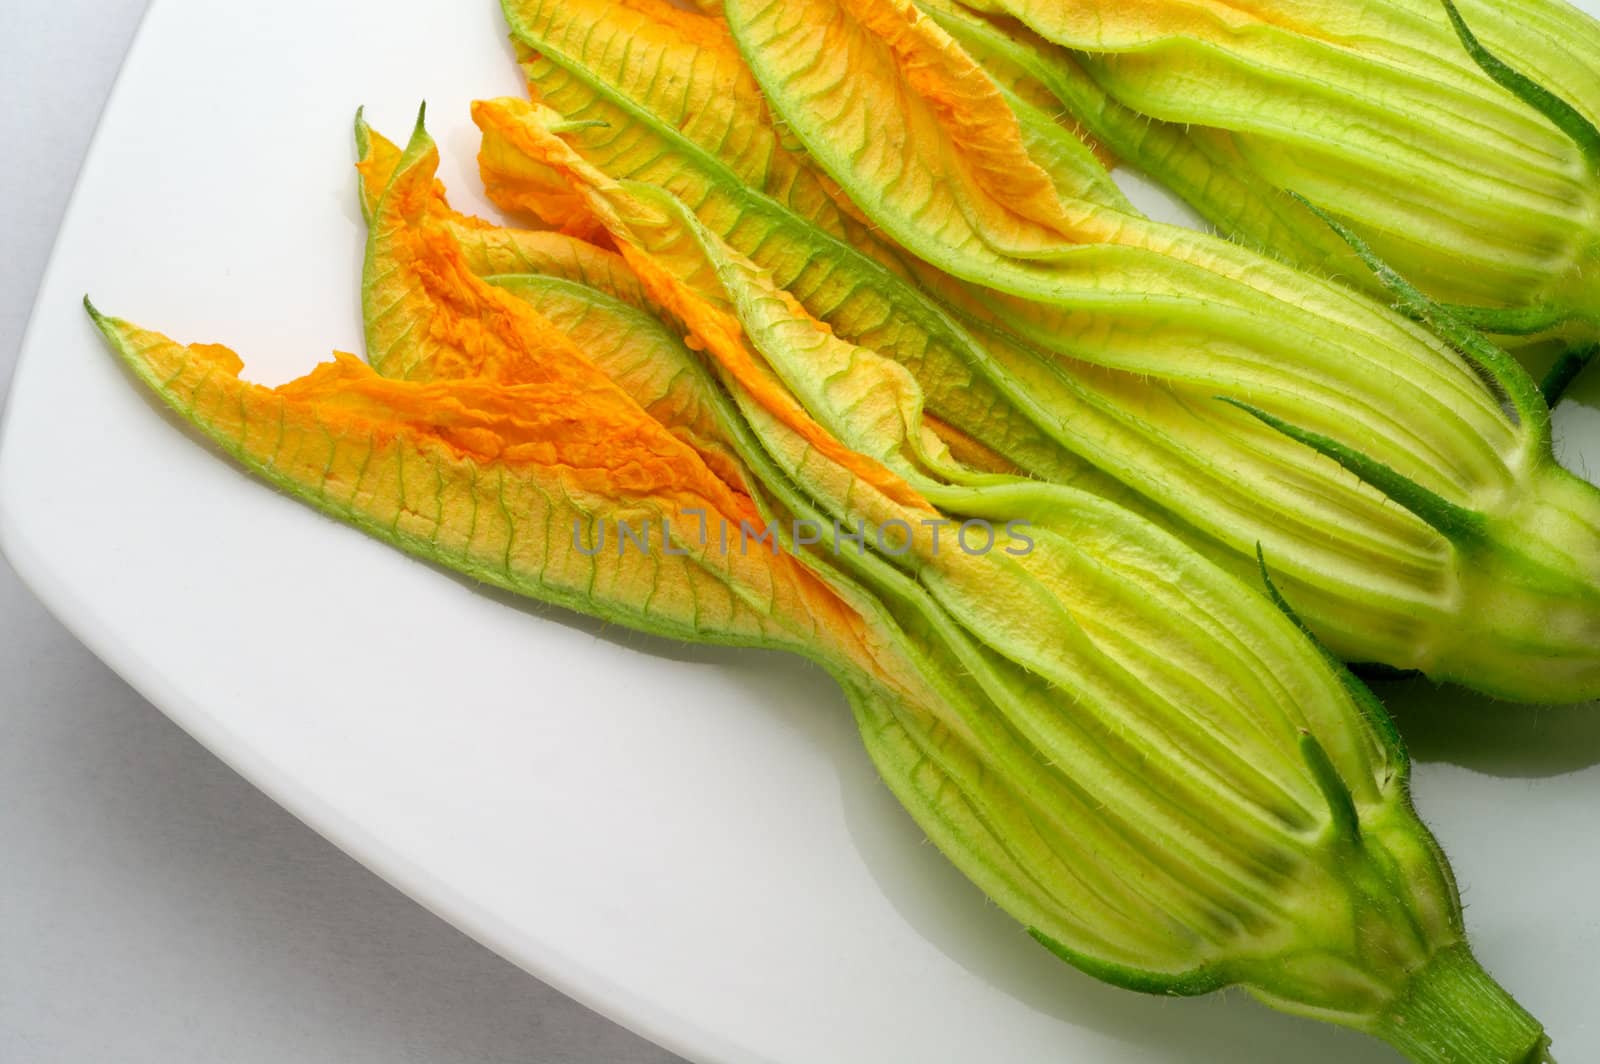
x=1456, y=523
x=1561, y=114
x=1560, y=376
x=1526, y=399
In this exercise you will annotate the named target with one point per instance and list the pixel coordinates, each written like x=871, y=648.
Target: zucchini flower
x=1459, y=145
x=524, y=486
x=1102, y=363
x=1137, y=755
x=1133, y=752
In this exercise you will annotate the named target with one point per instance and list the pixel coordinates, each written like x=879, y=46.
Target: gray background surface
x=154, y=907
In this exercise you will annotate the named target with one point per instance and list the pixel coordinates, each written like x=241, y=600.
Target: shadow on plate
x=1452, y=724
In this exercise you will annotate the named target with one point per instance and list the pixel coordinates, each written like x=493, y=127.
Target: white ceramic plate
x=689, y=841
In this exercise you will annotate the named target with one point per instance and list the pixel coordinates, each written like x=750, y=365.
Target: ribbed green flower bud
x=1134, y=753
x=1460, y=146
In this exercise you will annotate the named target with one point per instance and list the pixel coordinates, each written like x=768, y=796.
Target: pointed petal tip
x=420, y=139
x=363, y=133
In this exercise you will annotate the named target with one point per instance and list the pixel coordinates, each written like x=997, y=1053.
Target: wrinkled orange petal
x=504, y=483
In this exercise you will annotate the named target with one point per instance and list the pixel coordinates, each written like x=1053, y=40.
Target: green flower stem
x=1453, y=1013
